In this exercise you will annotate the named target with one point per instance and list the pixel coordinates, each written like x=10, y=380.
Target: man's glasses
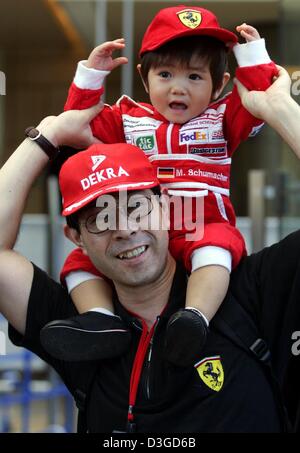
x=114, y=216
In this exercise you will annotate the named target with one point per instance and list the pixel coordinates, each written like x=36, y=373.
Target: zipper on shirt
x=143, y=347
x=148, y=370
x=148, y=363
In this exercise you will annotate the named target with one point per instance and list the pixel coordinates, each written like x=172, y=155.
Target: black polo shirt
x=226, y=391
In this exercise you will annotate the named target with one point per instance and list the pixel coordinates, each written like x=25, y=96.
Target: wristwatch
x=35, y=135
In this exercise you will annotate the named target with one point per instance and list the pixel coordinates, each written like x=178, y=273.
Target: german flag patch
x=165, y=172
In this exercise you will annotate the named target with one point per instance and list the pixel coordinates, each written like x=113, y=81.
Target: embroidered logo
x=193, y=136
x=190, y=18
x=97, y=160
x=209, y=151
x=211, y=372
x=146, y=143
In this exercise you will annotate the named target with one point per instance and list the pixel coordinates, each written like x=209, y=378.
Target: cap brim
x=111, y=189
x=228, y=37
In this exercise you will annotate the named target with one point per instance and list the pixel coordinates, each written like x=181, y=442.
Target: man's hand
x=248, y=32
x=276, y=107
x=71, y=128
x=101, y=57
x=263, y=104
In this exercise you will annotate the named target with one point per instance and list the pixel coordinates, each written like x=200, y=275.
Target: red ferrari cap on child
x=180, y=21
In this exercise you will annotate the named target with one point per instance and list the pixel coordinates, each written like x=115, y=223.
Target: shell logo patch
x=211, y=372
x=190, y=18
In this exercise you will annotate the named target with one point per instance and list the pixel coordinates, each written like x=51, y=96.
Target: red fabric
x=179, y=21
x=79, y=99
x=77, y=261
x=103, y=169
x=216, y=230
x=228, y=238
x=138, y=366
x=237, y=117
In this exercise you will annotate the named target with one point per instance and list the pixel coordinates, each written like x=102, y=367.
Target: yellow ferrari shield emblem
x=211, y=372
x=190, y=18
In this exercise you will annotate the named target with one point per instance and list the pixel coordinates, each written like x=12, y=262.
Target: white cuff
x=74, y=279
x=251, y=53
x=211, y=256
x=89, y=78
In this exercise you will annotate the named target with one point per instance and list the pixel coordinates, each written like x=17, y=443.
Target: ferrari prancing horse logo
x=211, y=372
x=190, y=18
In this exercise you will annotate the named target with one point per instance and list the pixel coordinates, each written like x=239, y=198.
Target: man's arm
x=16, y=179
x=276, y=107
x=271, y=278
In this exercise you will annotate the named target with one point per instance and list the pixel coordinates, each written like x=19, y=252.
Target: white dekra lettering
x=102, y=175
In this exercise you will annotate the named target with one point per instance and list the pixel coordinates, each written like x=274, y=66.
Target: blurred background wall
x=42, y=40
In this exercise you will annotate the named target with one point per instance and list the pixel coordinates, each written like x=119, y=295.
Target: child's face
x=180, y=93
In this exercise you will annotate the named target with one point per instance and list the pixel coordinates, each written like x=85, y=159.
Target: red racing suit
x=191, y=159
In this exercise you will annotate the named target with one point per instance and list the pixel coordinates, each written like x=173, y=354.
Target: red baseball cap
x=103, y=169
x=179, y=21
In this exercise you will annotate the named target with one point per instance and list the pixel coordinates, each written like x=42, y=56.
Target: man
x=227, y=390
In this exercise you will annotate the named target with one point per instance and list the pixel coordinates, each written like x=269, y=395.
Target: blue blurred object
x=16, y=387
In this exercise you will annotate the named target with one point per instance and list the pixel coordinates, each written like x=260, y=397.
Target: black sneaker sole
x=186, y=336
x=75, y=344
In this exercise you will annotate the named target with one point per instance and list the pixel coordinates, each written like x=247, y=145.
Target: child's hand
x=101, y=57
x=248, y=32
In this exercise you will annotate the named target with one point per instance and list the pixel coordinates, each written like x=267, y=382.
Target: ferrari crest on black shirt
x=211, y=372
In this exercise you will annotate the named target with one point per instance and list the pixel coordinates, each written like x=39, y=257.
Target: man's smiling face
x=134, y=255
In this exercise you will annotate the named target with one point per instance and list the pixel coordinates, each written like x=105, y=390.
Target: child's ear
x=144, y=81
x=226, y=78
x=74, y=237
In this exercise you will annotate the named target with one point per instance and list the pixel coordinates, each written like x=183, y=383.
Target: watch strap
x=35, y=135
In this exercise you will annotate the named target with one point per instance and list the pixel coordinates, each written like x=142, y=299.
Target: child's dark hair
x=72, y=219
x=181, y=50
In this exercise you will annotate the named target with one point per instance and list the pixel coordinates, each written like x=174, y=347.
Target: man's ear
x=144, y=81
x=74, y=237
x=226, y=78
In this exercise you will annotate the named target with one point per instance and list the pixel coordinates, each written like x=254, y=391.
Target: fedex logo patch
x=193, y=136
